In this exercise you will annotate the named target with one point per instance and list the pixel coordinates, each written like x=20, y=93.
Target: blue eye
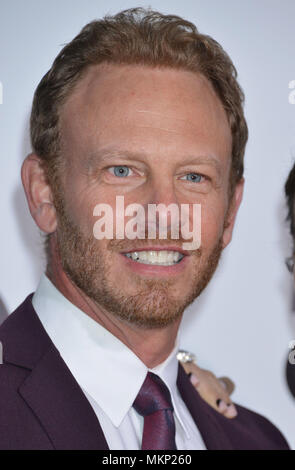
x=121, y=171
x=193, y=177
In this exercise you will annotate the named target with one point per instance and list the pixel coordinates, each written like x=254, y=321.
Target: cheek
x=94, y=207
x=212, y=224
x=85, y=206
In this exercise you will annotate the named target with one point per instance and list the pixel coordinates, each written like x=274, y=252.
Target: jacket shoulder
x=18, y=425
x=251, y=431
x=255, y=424
x=247, y=431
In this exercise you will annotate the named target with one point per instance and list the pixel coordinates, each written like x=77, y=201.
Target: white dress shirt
x=108, y=372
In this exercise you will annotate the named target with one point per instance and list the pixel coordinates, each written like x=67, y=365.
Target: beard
x=152, y=304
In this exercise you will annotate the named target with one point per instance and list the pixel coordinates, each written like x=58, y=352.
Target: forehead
x=154, y=108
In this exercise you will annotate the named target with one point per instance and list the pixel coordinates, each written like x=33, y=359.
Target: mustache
x=115, y=245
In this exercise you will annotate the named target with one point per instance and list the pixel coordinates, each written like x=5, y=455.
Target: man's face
x=142, y=133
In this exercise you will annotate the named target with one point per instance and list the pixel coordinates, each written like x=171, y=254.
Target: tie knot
x=153, y=396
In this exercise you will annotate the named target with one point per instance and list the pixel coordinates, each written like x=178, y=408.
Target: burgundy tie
x=154, y=403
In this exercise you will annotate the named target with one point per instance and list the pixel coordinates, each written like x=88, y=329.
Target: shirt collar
x=101, y=364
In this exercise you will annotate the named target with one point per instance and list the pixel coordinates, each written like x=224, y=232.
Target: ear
x=38, y=193
x=232, y=212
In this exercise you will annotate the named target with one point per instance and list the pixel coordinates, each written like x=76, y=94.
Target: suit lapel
x=56, y=399
x=204, y=416
x=61, y=406
x=50, y=389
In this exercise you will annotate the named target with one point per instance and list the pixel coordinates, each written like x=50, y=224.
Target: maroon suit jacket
x=43, y=407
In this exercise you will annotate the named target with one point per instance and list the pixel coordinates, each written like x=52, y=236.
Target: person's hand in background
x=216, y=392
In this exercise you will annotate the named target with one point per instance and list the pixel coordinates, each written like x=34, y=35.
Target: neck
x=152, y=346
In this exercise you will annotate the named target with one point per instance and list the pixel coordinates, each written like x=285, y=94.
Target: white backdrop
x=242, y=324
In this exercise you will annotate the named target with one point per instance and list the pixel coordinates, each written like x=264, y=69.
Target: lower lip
x=155, y=270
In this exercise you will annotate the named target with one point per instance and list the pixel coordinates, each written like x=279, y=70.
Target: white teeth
x=159, y=258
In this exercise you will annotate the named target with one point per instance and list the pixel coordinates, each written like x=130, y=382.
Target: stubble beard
x=153, y=306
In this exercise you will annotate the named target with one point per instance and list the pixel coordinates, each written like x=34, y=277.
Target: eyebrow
x=106, y=154
x=205, y=160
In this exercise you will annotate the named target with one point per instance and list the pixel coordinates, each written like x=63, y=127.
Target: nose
x=162, y=191
x=162, y=200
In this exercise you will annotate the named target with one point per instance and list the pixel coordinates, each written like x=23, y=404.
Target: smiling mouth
x=155, y=258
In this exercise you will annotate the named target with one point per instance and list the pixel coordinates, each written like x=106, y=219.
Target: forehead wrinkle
x=159, y=128
x=159, y=114
x=160, y=121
